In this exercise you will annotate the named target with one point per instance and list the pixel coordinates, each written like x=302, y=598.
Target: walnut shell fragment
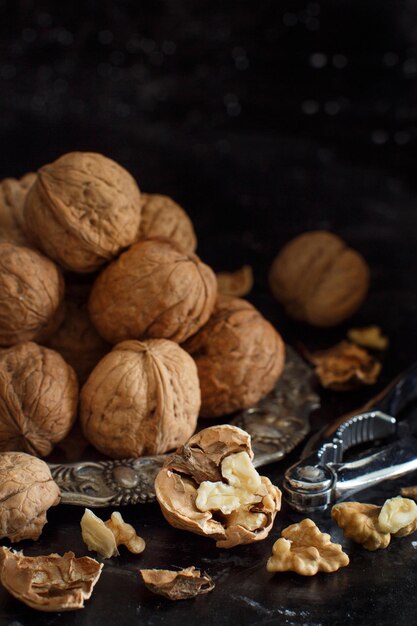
x=177, y=585
x=209, y=469
x=162, y=217
x=49, y=583
x=105, y=537
x=239, y=357
x=12, y=199
x=27, y=491
x=345, y=366
x=82, y=210
x=236, y=284
x=38, y=398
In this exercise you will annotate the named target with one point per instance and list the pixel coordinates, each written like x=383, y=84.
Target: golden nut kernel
x=397, y=514
x=104, y=537
x=359, y=522
x=369, y=337
x=304, y=549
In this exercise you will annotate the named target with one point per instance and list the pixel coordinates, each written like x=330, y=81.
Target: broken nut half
x=177, y=585
x=359, y=522
x=105, y=537
x=398, y=515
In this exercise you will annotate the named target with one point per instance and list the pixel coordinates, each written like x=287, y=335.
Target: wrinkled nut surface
x=236, y=284
x=177, y=585
x=369, y=337
x=27, y=491
x=105, y=537
x=12, y=199
x=214, y=455
x=162, y=217
x=31, y=295
x=49, y=583
x=38, y=398
x=345, y=366
x=398, y=515
x=239, y=357
x=359, y=522
x=153, y=290
x=82, y=210
x=304, y=549
x=319, y=279
x=143, y=398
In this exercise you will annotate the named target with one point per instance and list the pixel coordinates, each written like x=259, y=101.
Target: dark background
x=263, y=119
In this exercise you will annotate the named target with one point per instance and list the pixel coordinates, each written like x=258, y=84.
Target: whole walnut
x=38, y=398
x=318, y=279
x=142, y=398
x=82, y=210
x=31, y=294
x=27, y=491
x=153, y=290
x=162, y=217
x=239, y=357
x=12, y=199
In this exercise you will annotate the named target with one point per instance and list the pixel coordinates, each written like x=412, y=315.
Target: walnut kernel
x=369, y=337
x=105, y=537
x=396, y=514
x=359, y=522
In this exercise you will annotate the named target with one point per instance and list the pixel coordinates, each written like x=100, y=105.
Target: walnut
x=239, y=357
x=38, y=396
x=238, y=283
x=162, y=217
x=369, y=337
x=398, y=516
x=345, y=366
x=27, y=491
x=49, y=583
x=31, y=294
x=82, y=210
x=177, y=585
x=12, y=199
x=359, y=522
x=318, y=279
x=409, y=492
x=142, y=398
x=104, y=537
x=304, y=549
x=209, y=487
x=153, y=290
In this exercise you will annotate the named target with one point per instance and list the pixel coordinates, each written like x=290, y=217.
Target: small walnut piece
x=49, y=583
x=27, y=491
x=345, y=366
x=304, y=549
x=359, y=522
x=319, y=279
x=12, y=199
x=177, y=585
x=409, y=492
x=105, y=537
x=397, y=514
x=237, y=284
x=369, y=337
x=162, y=217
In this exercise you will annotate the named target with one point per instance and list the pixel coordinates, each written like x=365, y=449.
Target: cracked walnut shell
x=12, y=199
x=319, y=279
x=82, y=210
x=27, y=491
x=162, y=217
x=177, y=585
x=239, y=357
x=153, y=290
x=345, y=366
x=142, y=398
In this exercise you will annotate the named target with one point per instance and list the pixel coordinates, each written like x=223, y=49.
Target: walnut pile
x=82, y=210
x=162, y=217
x=209, y=487
x=239, y=357
x=27, y=491
x=177, y=585
x=143, y=398
x=12, y=199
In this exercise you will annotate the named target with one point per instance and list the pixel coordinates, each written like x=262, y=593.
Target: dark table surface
x=262, y=121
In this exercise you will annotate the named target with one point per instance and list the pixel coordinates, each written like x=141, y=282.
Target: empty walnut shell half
x=142, y=398
x=82, y=210
x=27, y=491
x=239, y=357
x=162, y=217
x=319, y=279
x=38, y=398
x=153, y=290
x=199, y=468
x=12, y=199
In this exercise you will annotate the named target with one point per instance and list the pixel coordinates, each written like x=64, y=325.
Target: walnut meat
x=82, y=210
x=142, y=398
x=162, y=217
x=153, y=290
x=27, y=491
x=31, y=294
x=359, y=522
x=38, y=396
x=12, y=199
x=239, y=357
x=319, y=279
x=105, y=537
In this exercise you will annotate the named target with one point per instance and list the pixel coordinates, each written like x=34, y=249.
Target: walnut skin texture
x=31, y=294
x=12, y=199
x=318, y=279
x=143, y=398
x=199, y=460
x=154, y=290
x=27, y=491
x=177, y=585
x=239, y=357
x=82, y=210
x=38, y=399
x=162, y=217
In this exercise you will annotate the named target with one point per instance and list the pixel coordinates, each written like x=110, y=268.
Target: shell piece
x=239, y=357
x=27, y=491
x=12, y=199
x=162, y=217
x=237, y=284
x=142, y=398
x=82, y=210
x=49, y=583
x=177, y=585
x=359, y=522
x=345, y=366
x=38, y=398
x=153, y=290
x=31, y=295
